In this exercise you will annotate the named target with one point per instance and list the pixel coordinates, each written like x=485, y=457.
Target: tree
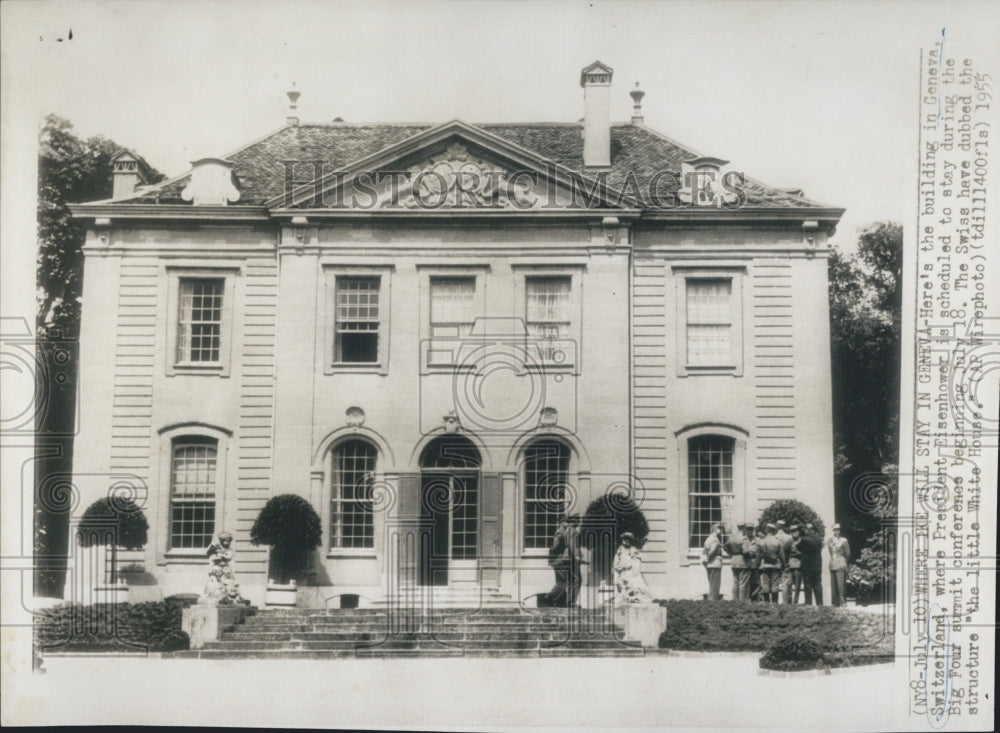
x=865, y=329
x=290, y=526
x=606, y=519
x=70, y=170
x=116, y=522
x=792, y=512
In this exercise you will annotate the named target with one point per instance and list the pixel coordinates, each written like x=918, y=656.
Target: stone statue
x=221, y=588
x=629, y=584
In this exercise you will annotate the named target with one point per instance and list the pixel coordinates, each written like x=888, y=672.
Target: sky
x=819, y=96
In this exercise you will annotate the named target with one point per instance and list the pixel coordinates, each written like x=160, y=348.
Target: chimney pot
x=293, y=105
x=637, y=94
x=127, y=173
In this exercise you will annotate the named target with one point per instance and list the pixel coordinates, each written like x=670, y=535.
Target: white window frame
x=571, y=357
x=178, y=274
x=381, y=365
x=435, y=350
x=682, y=276
x=692, y=555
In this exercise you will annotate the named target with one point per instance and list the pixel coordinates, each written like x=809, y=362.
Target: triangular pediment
x=454, y=167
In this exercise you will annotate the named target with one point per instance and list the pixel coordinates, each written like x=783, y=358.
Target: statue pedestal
x=206, y=623
x=643, y=622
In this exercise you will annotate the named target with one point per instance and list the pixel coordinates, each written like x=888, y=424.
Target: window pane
x=357, y=320
x=352, y=512
x=710, y=481
x=548, y=298
x=709, y=322
x=199, y=329
x=192, y=492
x=546, y=468
x=452, y=302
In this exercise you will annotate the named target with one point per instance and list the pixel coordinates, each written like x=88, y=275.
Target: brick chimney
x=596, y=82
x=128, y=171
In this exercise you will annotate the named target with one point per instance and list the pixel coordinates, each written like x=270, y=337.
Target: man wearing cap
x=738, y=548
x=786, y=573
x=711, y=558
x=771, y=563
x=840, y=553
x=811, y=549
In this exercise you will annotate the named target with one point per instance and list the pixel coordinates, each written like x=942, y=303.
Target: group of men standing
x=768, y=562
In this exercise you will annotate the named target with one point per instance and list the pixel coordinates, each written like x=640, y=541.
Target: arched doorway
x=450, y=481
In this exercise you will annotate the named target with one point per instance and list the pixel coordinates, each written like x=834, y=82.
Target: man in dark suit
x=811, y=548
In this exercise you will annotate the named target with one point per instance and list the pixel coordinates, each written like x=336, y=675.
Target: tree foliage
x=292, y=528
x=865, y=324
x=115, y=522
x=793, y=512
x=865, y=321
x=617, y=512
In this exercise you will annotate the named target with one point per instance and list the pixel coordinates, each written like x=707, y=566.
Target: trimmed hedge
x=793, y=652
x=154, y=627
x=843, y=635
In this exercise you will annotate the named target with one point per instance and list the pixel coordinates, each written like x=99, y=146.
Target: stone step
x=416, y=645
x=446, y=636
x=310, y=654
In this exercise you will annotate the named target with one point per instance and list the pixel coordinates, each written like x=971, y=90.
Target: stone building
x=453, y=332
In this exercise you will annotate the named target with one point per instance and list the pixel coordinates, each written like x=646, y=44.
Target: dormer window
x=702, y=183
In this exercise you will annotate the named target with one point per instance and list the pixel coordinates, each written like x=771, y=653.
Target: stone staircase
x=485, y=631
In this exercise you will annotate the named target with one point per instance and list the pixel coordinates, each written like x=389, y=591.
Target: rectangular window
x=547, y=311
x=710, y=484
x=453, y=308
x=709, y=322
x=192, y=492
x=352, y=510
x=356, y=320
x=546, y=466
x=199, y=325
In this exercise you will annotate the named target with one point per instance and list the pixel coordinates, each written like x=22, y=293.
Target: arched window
x=351, y=510
x=546, y=470
x=710, y=484
x=193, y=482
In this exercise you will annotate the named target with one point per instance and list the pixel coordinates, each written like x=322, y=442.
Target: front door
x=450, y=484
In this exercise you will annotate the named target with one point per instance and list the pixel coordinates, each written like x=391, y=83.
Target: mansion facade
x=446, y=336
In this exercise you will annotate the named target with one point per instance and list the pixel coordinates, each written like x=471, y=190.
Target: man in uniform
x=711, y=558
x=756, y=534
x=786, y=574
x=811, y=547
x=738, y=548
x=771, y=564
x=565, y=558
x=795, y=564
x=840, y=553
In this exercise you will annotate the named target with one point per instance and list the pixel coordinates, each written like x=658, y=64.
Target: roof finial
x=293, y=98
x=637, y=94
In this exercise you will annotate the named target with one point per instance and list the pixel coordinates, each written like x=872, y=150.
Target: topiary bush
x=292, y=528
x=794, y=651
x=116, y=521
x=616, y=511
x=793, y=512
x=133, y=627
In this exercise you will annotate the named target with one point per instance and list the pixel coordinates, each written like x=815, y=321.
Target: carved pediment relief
x=457, y=179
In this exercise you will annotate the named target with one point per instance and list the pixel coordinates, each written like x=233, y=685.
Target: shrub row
x=729, y=626
x=111, y=627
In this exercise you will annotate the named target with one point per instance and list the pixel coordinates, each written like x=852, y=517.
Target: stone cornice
x=116, y=212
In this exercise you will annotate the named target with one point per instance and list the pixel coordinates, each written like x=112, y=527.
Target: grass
x=846, y=637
